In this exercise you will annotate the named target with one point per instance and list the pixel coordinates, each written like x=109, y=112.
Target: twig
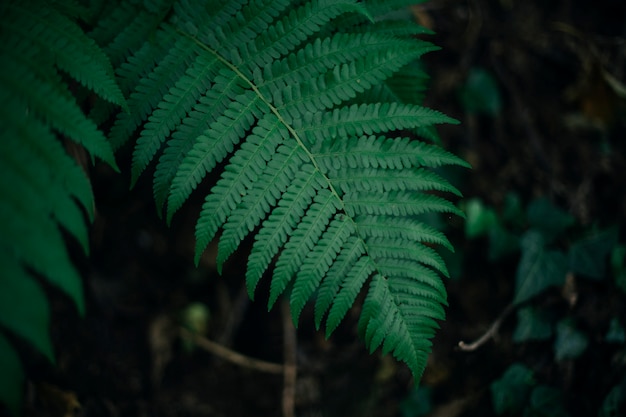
x=230, y=355
x=290, y=370
x=491, y=332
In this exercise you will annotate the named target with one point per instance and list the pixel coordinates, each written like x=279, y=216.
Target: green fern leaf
x=317, y=263
x=207, y=152
x=37, y=237
x=171, y=110
x=213, y=103
x=351, y=252
x=28, y=320
x=357, y=120
x=56, y=108
x=44, y=191
x=52, y=33
x=297, y=109
x=302, y=241
x=373, y=227
x=281, y=222
x=151, y=88
x=263, y=195
x=12, y=377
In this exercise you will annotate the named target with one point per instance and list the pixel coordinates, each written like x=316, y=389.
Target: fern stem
x=274, y=110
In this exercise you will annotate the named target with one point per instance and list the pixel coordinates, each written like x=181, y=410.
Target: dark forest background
x=540, y=89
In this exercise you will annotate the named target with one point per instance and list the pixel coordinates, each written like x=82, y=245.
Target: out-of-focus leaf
x=195, y=317
x=547, y=218
x=502, y=243
x=481, y=94
x=618, y=265
x=418, y=403
x=532, y=324
x=539, y=268
x=24, y=306
x=480, y=219
x=570, y=342
x=512, y=211
x=455, y=262
x=616, y=333
x=588, y=256
x=545, y=401
x=511, y=391
x=615, y=402
x=11, y=377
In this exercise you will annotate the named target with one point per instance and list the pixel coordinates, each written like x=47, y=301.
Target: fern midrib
x=273, y=109
x=291, y=130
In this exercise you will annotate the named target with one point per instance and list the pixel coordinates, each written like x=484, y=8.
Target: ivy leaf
x=539, y=268
x=480, y=218
x=545, y=401
x=570, y=342
x=618, y=266
x=615, y=402
x=418, y=403
x=532, y=324
x=588, y=256
x=510, y=392
x=501, y=243
x=480, y=94
x=512, y=211
x=616, y=333
x=547, y=218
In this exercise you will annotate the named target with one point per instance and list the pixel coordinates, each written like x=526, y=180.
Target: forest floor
x=552, y=125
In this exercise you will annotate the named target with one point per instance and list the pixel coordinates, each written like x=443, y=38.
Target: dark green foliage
x=43, y=190
x=517, y=393
x=301, y=116
x=554, y=253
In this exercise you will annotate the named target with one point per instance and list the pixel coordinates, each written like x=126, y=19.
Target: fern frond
x=73, y=52
x=28, y=320
x=53, y=103
x=304, y=124
x=44, y=191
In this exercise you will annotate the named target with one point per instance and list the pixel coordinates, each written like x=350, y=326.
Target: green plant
x=554, y=253
x=307, y=111
x=43, y=52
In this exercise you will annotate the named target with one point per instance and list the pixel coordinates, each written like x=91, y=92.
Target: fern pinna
x=43, y=191
x=301, y=108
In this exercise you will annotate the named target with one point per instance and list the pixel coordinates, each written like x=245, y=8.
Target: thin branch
x=231, y=355
x=491, y=332
x=290, y=369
